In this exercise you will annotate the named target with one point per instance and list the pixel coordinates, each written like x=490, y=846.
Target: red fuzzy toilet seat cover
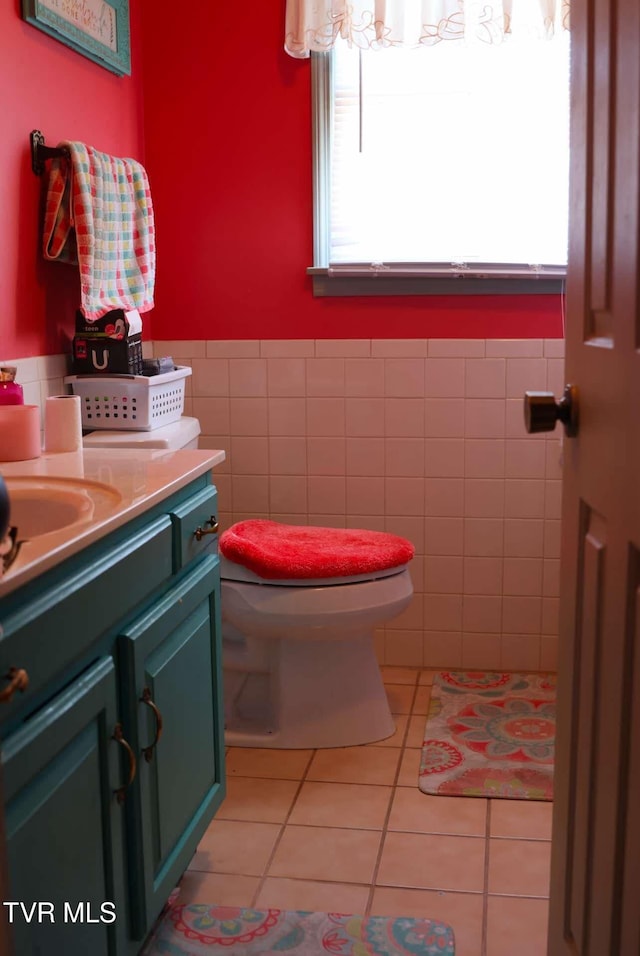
x=274, y=550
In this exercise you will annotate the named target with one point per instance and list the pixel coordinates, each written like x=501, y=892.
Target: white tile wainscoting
x=423, y=438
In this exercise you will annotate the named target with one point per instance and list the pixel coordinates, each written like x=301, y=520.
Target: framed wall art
x=99, y=29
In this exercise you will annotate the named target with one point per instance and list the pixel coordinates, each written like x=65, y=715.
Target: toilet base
x=312, y=694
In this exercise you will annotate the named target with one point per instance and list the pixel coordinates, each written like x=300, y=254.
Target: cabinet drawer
x=194, y=522
x=56, y=623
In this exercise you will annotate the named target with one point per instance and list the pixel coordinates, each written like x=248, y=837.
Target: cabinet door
x=171, y=673
x=64, y=823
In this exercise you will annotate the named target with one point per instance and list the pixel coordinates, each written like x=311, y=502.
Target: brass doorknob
x=541, y=411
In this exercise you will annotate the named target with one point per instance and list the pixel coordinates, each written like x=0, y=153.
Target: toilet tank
x=176, y=435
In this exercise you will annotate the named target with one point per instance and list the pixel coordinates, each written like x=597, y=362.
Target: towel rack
x=40, y=153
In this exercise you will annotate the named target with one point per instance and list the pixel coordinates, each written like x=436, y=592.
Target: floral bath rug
x=490, y=735
x=203, y=930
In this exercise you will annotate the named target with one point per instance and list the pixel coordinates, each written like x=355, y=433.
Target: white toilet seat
x=232, y=571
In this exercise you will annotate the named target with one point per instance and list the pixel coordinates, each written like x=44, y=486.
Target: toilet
x=299, y=657
x=299, y=662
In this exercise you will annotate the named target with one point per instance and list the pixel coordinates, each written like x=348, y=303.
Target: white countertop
x=142, y=478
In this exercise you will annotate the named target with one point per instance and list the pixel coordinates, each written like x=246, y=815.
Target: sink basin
x=42, y=505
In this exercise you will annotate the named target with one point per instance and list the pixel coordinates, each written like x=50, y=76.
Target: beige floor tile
x=324, y=853
x=409, y=767
x=426, y=677
x=462, y=911
x=312, y=895
x=427, y=861
x=218, y=889
x=400, y=697
x=257, y=799
x=399, y=675
x=342, y=804
x=259, y=762
x=415, y=735
x=230, y=846
x=419, y=812
x=523, y=819
x=516, y=926
x=519, y=867
x=421, y=703
x=396, y=739
x=376, y=765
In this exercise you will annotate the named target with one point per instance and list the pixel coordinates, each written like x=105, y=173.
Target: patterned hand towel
x=99, y=214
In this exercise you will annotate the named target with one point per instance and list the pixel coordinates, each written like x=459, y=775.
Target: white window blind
x=454, y=154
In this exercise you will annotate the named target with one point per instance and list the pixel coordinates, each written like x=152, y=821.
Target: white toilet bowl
x=300, y=669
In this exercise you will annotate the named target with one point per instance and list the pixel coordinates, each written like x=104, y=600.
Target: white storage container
x=130, y=402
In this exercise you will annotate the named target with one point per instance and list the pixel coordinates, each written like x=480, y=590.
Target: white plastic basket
x=135, y=402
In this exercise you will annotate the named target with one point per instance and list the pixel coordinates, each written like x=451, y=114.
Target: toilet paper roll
x=62, y=423
x=19, y=432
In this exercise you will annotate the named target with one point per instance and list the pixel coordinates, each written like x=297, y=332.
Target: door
x=64, y=825
x=173, y=698
x=595, y=872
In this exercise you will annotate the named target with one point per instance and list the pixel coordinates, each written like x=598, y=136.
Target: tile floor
x=348, y=830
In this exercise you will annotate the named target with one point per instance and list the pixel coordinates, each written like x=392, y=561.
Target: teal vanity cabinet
x=113, y=756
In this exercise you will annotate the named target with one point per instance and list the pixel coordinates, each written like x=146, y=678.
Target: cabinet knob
x=18, y=680
x=118, y=736
x=146, y=699
x=213, y=529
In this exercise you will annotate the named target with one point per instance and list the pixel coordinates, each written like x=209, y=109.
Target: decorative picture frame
x=98, y=29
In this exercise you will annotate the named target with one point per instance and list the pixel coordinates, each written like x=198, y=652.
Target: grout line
x=283, y=825
x=485, y=892
x=394, y=786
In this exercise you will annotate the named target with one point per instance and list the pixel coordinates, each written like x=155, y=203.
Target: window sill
x=357, y=281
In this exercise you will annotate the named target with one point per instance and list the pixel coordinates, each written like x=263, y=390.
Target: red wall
x=227, y=143
x=228, y=146
x=47, y=86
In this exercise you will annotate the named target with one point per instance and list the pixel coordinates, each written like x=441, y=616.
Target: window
x=442, y=163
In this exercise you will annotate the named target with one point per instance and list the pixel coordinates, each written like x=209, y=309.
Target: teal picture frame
x=98, y=29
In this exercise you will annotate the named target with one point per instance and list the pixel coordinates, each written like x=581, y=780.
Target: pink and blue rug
x=203, y=930
x=490, y=734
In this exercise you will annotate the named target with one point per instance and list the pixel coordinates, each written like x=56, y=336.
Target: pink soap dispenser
x=10, y=392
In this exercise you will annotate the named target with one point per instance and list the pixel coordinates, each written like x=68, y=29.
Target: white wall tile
x=526, y=375
x=404, y=377
x=444, y=417
x=443, y=497
x=288, y=456
x=404, y=417
x=364, y=377
x=365, y=457
x=399, y=348
x=326, y=456
x=325, y=417
x=325, y=377
x=485, y=378
x=287, y=348
x=342, y=348
x=484, y=418
x=443, y=574
x=248, y=378
x=286, y=377
x=457, y=348
x=512, y=348
x=372, y=434
x=240, y=348
x=444, y=458
x=444, y=378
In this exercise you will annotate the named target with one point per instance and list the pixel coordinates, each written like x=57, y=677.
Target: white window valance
x=374, y=24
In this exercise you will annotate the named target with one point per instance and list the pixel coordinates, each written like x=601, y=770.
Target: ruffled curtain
x=316, y=24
